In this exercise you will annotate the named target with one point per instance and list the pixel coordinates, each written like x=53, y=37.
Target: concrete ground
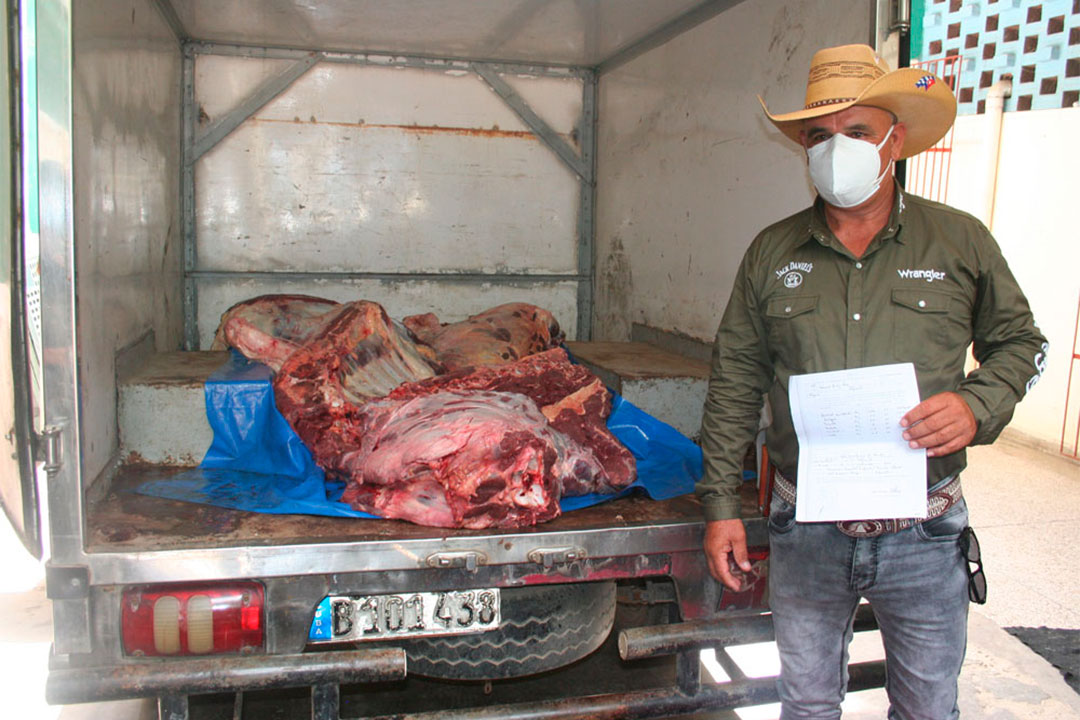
x=1025, y=506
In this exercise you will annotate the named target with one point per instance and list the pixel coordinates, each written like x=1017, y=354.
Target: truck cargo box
x=603, y=159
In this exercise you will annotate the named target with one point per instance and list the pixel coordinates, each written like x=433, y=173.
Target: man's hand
x=942, y=424
x=724, y=537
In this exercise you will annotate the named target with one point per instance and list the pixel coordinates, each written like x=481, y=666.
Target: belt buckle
x=866, y=528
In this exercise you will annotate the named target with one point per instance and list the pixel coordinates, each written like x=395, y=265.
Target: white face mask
x=845, y=170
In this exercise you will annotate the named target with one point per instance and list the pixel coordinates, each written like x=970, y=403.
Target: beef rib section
x=356, y=356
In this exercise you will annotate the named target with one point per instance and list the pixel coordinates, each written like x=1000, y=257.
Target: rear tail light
x=196, y=619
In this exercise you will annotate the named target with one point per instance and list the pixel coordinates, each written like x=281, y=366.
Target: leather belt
x=939, y=500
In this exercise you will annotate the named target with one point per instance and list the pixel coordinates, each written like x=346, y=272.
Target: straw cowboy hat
x=854, y=75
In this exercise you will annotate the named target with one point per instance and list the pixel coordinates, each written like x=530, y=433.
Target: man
x=869, y=275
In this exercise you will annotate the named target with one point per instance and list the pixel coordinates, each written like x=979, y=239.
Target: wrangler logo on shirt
x=928, y=275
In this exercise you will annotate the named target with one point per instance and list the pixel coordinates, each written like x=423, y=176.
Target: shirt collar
x=819, y=227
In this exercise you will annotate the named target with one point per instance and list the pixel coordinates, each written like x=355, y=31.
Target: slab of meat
x=494, y=337
x=270, y=328
x=356, y=356
x=472, y=459
x=469, y=449
x=574, y=401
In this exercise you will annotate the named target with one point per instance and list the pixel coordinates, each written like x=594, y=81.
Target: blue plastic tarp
x=257, y=463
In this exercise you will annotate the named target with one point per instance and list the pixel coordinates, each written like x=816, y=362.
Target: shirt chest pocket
x=792, y=326
x=921, y=327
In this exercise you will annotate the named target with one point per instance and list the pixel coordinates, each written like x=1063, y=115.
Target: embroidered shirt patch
x=928, y=275
x=792, y=273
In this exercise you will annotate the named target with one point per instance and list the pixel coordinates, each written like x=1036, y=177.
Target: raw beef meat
x=270, y=328
x=573, y=400
x=491, y=447
x=471, y=459
x=494, y=446
x=357, y=355
x=494, y=337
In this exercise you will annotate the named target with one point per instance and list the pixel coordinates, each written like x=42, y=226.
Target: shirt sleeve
x=739, y=377
x=1008, y=345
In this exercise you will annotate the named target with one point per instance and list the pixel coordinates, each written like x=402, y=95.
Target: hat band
x=830, y=101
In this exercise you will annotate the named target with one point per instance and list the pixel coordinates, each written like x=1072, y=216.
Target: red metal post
x=1068, y=392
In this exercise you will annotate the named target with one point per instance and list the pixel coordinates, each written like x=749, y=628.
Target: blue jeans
x=916, y=583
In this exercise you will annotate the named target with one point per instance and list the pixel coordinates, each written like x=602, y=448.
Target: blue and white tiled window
x=1035, y=41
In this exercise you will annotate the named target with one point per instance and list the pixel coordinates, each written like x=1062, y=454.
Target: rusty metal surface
x=191, y=676
x=736, y=628
x=740, y=629
x=415, y=129
x=653, y=703
x=661, y=702
x=124, y=520
x=637, y=361
x=149, y=540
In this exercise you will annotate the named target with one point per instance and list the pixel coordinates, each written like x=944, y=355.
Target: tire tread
x=525, y=644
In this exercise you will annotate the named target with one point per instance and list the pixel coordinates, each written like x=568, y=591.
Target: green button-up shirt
x=930, y=284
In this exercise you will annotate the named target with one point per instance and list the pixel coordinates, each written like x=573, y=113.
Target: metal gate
x=928, y=172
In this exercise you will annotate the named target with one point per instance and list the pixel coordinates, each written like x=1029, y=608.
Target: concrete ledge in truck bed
x=666, y=385
x=162, y=410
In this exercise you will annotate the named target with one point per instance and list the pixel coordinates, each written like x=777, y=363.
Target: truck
x=604, y=159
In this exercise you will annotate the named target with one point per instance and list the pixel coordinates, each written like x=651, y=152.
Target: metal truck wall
x=689, y=167
x=383, y=183
x=126, y=124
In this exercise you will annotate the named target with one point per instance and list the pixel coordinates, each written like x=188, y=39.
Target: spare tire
x=543, y=627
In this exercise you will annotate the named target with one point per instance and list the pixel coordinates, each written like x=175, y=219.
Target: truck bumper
x=168, y=677
x=642, y=704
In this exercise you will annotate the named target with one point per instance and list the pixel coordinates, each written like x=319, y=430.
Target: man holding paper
x=869, y=294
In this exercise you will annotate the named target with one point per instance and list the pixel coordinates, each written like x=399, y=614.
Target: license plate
x=355, y=618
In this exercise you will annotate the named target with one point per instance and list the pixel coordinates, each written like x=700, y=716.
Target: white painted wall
x=1035, y=222
x=126, y=88
x=689, y=165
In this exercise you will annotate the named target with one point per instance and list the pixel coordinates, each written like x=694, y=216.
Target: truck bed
x=170, y=385
x=125, y=521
